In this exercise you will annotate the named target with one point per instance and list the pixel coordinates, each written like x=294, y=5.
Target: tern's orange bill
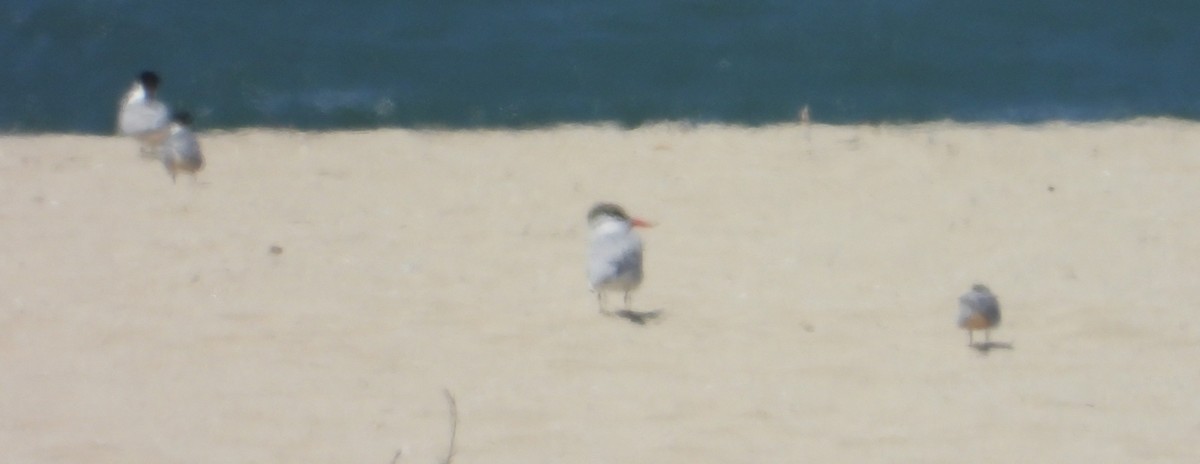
x=640, y=223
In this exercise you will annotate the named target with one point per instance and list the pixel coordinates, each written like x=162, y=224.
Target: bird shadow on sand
x=638, y=317
x=987, y=347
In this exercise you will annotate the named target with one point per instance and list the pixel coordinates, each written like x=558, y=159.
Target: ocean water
x=521, y=63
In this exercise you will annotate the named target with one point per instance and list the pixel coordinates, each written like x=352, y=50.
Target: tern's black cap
x=149, y=79
x=607, y=209
x=182, y=117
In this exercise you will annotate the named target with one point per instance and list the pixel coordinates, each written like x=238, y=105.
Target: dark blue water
x=519, y=63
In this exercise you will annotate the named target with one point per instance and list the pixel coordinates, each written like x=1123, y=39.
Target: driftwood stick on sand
x=453, y=430
x=453, y=426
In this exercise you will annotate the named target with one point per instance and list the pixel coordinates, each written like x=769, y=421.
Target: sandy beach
x=805, y=278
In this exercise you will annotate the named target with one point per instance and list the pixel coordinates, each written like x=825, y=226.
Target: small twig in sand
x=453, y=426
x=453, y=430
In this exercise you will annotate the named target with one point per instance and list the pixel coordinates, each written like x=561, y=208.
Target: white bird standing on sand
x=181, y=152
x=978, y=309
x=615, y=253
x=142, y=116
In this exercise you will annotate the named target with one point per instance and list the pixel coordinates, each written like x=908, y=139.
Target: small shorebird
x=614, y=254
x=978, y=309
x=142, y=116
x=181, y=152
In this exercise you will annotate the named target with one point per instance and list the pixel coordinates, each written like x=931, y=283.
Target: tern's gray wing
x=978, y=304
x=615, y=260
x=630, y=263
x=181, y=151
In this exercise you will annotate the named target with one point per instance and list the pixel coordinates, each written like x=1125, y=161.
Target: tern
x=978, y=309
x=614, y=253
x=142, y=116
x=181, y=152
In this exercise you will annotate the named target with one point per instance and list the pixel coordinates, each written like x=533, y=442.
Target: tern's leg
x=628, y=301
x=600, y=302
x=970, y=337
x=987, y=336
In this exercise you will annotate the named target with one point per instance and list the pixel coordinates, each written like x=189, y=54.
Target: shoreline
x=679, y=125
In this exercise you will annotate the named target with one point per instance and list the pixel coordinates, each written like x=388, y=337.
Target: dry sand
x=806, y=276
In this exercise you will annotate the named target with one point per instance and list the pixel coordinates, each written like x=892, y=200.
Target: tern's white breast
x=142, y=117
